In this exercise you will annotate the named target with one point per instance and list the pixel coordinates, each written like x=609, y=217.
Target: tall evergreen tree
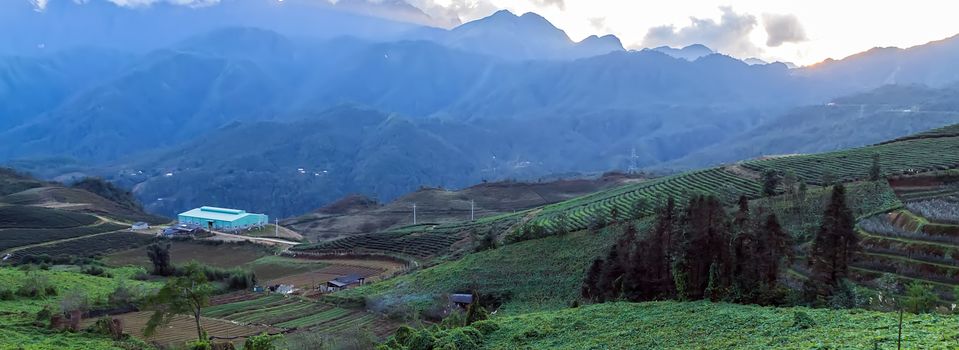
x=875, y=171
x=590, y=289
x=775, y=246
x=834, y=244
x=770, y=182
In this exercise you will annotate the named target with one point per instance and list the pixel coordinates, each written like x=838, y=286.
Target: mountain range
x=297, y=118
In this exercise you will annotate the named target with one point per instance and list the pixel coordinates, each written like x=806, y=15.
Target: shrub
x=456, y=339
x=261, y=342
x=919, y=298
x=485, y=327
x=96, y=271
x=7, y=294
x=199, y=345
x=801, y=320
x=36, y=285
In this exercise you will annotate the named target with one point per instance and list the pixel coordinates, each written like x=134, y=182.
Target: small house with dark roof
x=461, y=300
x=344, y=282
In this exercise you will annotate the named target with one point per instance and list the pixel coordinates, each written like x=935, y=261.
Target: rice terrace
x=478, y=175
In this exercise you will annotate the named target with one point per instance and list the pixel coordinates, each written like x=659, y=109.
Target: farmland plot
x=183, y=329
x=88, y=246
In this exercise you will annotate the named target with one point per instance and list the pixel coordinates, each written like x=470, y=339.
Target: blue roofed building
x=222, y=218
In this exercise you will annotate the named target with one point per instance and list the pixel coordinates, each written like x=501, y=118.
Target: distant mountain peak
x=689, y=53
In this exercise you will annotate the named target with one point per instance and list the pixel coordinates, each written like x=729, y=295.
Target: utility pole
x=414, y=213
x=277, y=227
x=472, y=209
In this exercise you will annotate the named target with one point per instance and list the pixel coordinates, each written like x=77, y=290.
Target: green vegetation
x=897, y=158
x=419, y=245
x=184, y=295
x=19, y=314
x=15, y=237
x=26, y=217
x=703, y=325
x=87, y=246
x=531, y=275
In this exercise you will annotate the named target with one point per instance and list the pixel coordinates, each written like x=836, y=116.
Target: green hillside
x=702, y=325
x=938, y=150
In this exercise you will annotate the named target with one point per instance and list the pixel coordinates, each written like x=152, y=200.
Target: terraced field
x=920, y=242
x=424, y=241
x=899, y=158
x=934, y=151
x=418, y=245
x=299, y=314
x=19, y=237
x=87, y=246
x=182, y=328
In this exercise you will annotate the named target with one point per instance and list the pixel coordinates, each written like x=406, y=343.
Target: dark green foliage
x=32, y=217
x=79, y=251
x=36, y=285
x=530, y=230
x=770, y=182
x=475, y=312
x=919, y=298
x=698, y=255
x=7, y=294
x=261, y=342
x=875, y=170
x=184, y=295
x=833, y=247
x=485, y=327
x=845, y=296
x=159, y=255
x=801, y=320
x=484, y=241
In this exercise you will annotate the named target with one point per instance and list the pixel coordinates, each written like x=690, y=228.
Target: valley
x=478, y=175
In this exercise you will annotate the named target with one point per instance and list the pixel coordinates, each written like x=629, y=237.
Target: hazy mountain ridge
x=430, y=106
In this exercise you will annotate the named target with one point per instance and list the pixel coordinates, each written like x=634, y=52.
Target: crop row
x=946, y=131
x=903, y=157
x=642, y=199
x=17, y=237
x=417, y=245
x=89, y=246
x=18, y=216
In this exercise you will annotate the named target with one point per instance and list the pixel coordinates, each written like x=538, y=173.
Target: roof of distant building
x=215, y=213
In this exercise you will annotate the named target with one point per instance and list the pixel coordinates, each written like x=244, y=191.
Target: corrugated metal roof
x=220, y=214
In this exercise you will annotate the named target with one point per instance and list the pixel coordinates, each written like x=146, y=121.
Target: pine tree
x=770, y=182
x=776, y=245
x=834, y=244
x=590, y=289
x=875, y=171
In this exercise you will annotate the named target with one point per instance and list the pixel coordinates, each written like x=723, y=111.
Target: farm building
x=222, y=218
x=344, y=282
x=461, y=300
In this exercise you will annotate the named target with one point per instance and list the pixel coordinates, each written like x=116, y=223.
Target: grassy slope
x=539, y=274
x=703, y=325
x=16, y=316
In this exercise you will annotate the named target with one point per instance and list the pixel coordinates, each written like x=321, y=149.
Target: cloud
x=560, y=4
x=39, y=5
x=783, y=29
x=598, y=22
x=458, y=11
x=730, y=35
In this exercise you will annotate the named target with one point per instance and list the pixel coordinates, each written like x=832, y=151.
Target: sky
x=803, y=32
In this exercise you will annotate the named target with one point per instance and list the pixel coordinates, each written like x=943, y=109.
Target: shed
x=461, y=300
x=222, y=218
x=344, y=282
